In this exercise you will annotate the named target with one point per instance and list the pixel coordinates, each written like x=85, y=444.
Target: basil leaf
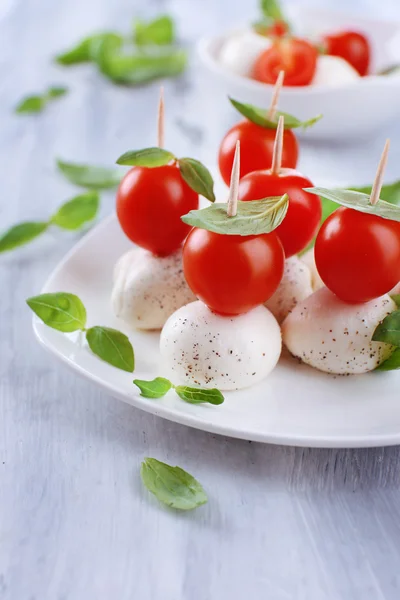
x=56, y=91
x=86, y=49
x=31, y=104
x=389, y=330
x=141, y=68
x=259, y=116
x=396, y=299
x=198, y=177
x=78, y=211
x=392, y=363
x=389, y=192
x=271, y=9
x=358, y=201
x=157, y=388
x=148, y=157
x=112, y=346
x=253, y=218
x=389, y=70
x=21, y=234
x=198, y=396
x=89, y=176
x=160, y=31
x=62, y=311
x=172, y=485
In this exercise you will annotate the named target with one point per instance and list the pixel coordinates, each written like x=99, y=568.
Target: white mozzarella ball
x=332, y=336
x=334, y=71
x=294, y=287
x=202, y=348
x=148, y=289
x=309, y=259
x=240, y=51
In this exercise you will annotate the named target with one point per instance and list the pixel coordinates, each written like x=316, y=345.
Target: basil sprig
x=159, y=387
x=358, y=201
x=65, y=312
x=259, y=116
x=252, y=218
x=38, y=102
x=71, y=215
x=90, y=176
x=172, y=485
x=85, y=50
x=160, y=31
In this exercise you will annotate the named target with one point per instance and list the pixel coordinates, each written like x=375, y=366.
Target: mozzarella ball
x=332, y=336
x=294, y=287
x=333, y=71
x=202, y=348
x=148, y=289
x=240, y=51
x=309, y=259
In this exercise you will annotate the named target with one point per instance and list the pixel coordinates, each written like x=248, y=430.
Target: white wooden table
x=75, y=522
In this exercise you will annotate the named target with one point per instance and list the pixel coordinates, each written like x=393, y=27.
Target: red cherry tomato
x=352, y=46
x=298, y=58
x=256, y=148
x=150, y=203
x=231, y=273
x=358, y=255
x=304, y=213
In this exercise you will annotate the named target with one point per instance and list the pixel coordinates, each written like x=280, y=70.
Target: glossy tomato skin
x=150, y=203
x=303, y=217
x=298, y=58
x=353, y=47
x=256, y=148
x=358, y=255
x=231, y=273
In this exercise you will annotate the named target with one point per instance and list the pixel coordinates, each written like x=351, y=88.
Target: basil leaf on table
x=157, y=388
x=392, y=363
x=140, y=68
x=56, y=92
x=389, y=330
x=148, y=157
x=85, y=50
x=160, y=31
x=62, y=311
x=194, y=395
x=259, y=116
x=252, y=218
x=112, y=346
x=21, y=234
x=198, y=177
x=172, y=485
x=78, y=211
x=90, y=176
x=358, y=201
x=38, y=102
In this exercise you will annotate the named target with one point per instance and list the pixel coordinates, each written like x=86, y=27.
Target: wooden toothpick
x=160, y=119
x=234, y=185
x=377, y=186
x=278, y=147
x=275, y=96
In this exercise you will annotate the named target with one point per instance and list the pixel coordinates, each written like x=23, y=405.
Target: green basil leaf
x=198, y=396
x=259, y=116
x=90, y=176
x=253, y=218
x=148, y=157
x=56, y=91
x=112, y=346
x=358, y=201
x=78, y=211
x=21, y=234
x=172, y=485
x=160, y=31
x=389, y=192
x=392, y=363
x=396, y=299
x=198, y=177
x=389, y=330
x=272, y=9
x=157, y=388
x=141, y=68
x=31, y=104
x=86, y=50
x=62, y=311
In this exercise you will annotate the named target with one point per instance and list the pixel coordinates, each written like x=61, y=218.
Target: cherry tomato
x=352, y=46
x=358, y=255
x=231, y=273
x=304, y=213
x=256, y=148
x=150, y=203
x=298, y=58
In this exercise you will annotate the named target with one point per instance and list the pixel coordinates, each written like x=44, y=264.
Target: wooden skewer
x=278, y=147
x=275, y=96
x=160, y=119
x=377, y=186
x=234, y=185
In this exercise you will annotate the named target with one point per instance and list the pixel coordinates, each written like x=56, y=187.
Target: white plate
x=295, y=405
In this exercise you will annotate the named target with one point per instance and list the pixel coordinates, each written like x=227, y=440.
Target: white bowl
x=353, y=110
